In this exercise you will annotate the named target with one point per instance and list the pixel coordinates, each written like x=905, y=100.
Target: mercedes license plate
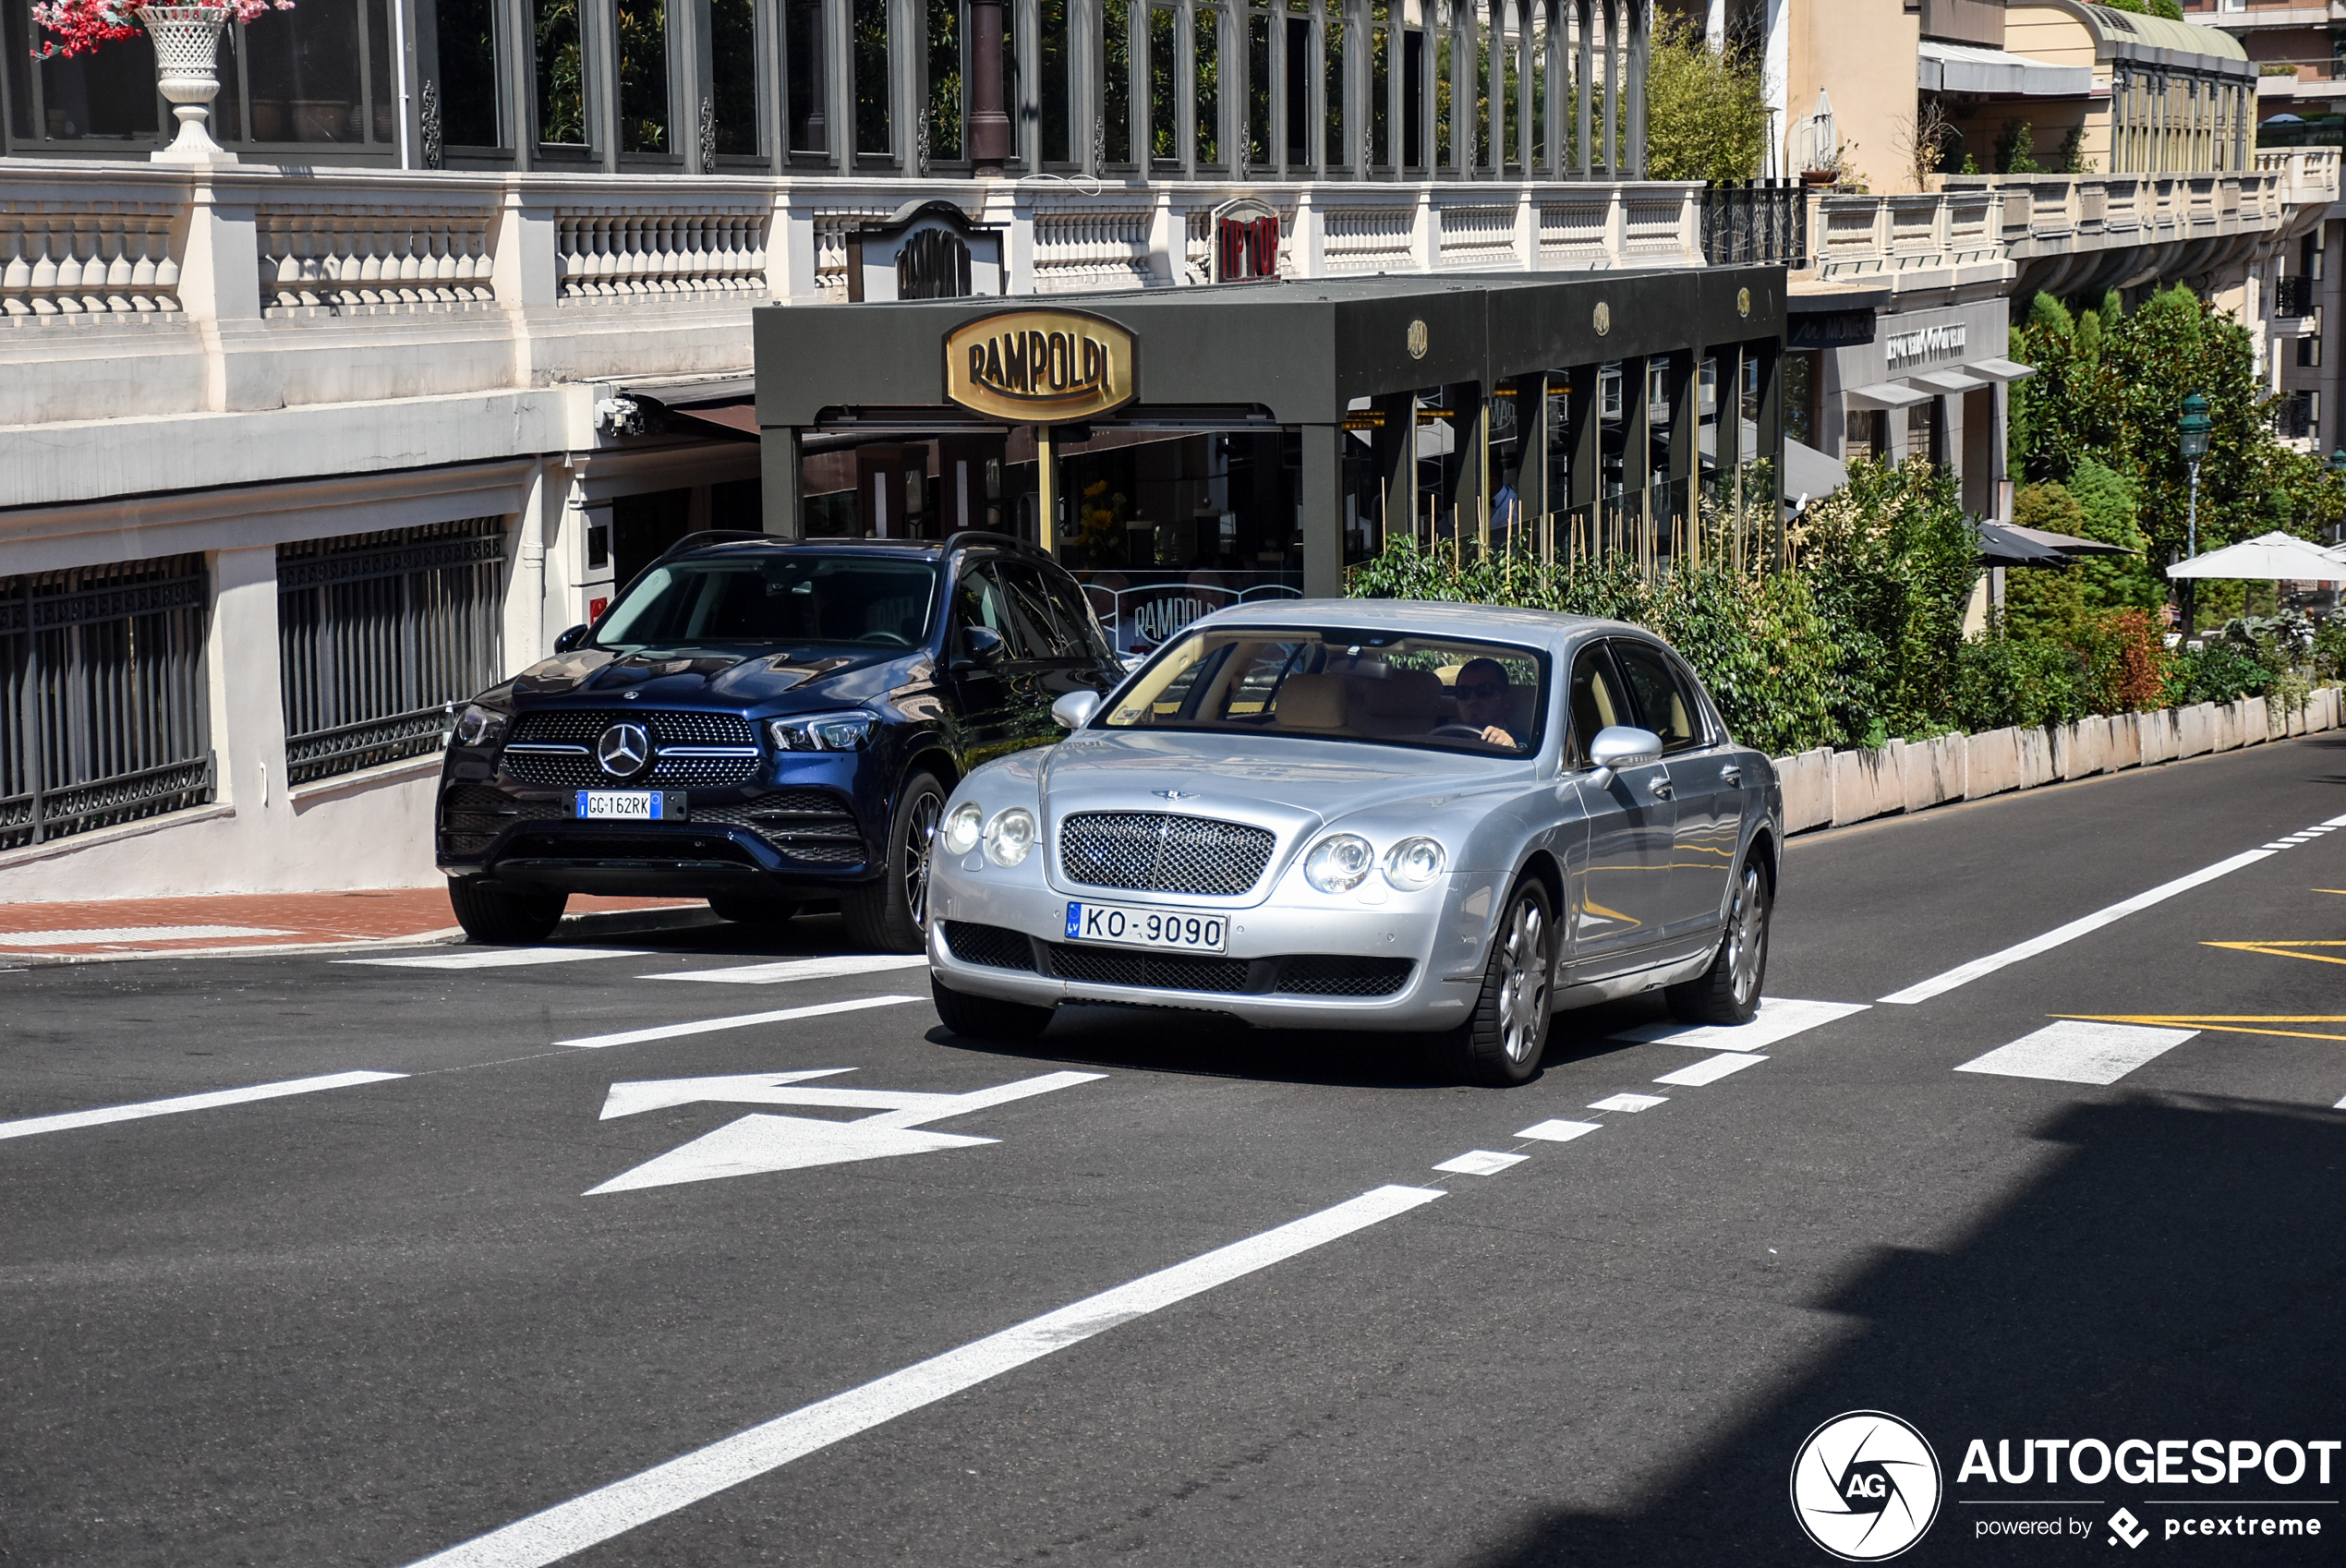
x=1129, y=925
x=628, y=805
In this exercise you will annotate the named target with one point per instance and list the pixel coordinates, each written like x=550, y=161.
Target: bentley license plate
x=627, y=805
x=1128, y=925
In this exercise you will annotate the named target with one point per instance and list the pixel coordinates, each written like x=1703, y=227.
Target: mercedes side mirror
x=983, y=646
x=1618, y=746
x=1073, y=709
x=570, y=639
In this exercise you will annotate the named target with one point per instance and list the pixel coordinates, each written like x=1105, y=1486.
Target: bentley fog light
x=1338, y=865
x=1010, y=835
x=478, y=726
x=961, y=828
x=1414, y=863
x=825, y=732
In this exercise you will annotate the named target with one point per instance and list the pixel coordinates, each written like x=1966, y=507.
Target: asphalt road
x=373, y=1322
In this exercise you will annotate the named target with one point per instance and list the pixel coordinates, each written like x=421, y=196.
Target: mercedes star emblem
x=623, y=750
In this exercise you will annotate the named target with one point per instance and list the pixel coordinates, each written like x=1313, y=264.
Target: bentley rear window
x=774, y=599
x=1385, y=687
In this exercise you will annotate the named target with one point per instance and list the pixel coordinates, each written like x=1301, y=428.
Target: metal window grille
x=1755, y=223
x=379, y=635
x=2293, y=296
x=103, y=705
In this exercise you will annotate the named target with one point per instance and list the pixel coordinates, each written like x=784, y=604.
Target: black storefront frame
x=1299, y=355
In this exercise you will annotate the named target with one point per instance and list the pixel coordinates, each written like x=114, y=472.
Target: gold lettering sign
x=1038, y=367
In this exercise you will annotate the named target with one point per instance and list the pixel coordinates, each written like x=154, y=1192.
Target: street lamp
x=2192, y=435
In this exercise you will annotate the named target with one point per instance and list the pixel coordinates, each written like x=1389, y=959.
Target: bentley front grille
x=1162, y=852
x=994, y=945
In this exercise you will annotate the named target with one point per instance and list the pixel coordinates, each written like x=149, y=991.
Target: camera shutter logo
x=1865, y=1485
x=623, y=750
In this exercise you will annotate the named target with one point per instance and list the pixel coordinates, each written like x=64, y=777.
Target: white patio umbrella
x=2269, y=558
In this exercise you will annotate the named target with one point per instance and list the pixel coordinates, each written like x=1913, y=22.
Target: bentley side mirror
x=570, y=638
x=985, y=647
x=1618, y=746
x=1073, y=709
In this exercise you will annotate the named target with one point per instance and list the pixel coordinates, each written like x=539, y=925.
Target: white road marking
x=2336, y=822
x=1711, y=1070
x=2340, y=1107
x=1779, y=1018
x=739, y=1021
x=2282, y=844
x=1630, y=1103
x=1481, y=1162
x=1559, y=1132
x=756, y=1144
x=613, y=1510
x=798, y=969
x=2075, y=1051
x=32, y=1124
x=67, y=938
x=1964, y=974
x=500, y=957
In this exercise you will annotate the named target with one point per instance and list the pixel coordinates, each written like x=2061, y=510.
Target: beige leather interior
x=1312, y=702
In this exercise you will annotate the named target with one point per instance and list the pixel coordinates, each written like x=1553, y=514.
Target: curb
x=599, y=922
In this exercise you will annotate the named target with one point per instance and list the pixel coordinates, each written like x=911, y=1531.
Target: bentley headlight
x=1414, y=863
x=1337, y=864
x=478, y=726
x=961, y=828
x=1010, y=835
x=824, y=732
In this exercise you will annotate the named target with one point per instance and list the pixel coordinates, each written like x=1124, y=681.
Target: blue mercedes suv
x=761, y=723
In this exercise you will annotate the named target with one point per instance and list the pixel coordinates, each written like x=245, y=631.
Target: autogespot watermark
x=1865, y=1485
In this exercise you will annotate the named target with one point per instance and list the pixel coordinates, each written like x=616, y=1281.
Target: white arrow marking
x=758, y=1143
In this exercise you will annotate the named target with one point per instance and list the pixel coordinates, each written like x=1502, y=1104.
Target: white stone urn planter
x=187, y=41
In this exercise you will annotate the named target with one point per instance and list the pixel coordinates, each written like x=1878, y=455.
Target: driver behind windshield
x=1482, y=691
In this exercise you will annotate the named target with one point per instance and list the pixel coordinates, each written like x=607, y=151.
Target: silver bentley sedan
x=1368, y=814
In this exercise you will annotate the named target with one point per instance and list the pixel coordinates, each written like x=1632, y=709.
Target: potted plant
x=187, y=41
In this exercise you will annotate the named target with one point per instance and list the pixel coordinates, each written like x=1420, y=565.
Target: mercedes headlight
x=1414, y=863
x=1010, y=835
x=478, y=726
x=961, y=828
x=824, y=732
x=1337, y=864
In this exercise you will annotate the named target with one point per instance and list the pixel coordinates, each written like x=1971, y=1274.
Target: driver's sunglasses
x=1481, y=690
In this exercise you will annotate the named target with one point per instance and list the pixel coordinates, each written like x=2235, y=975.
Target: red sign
x=594, y=608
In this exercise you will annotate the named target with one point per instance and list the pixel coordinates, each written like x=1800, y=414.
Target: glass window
x=735, y=53
x=1387, y=688
x=105, y=95
x=1165, y=87
x=1115, y=82
x=1597, y=703
x=1664, y=699
x=945, y=102
x=1209, y=86
x=468, y=74
x=978, y=600
x=562, y=86
x=1030, y=603
x=875, y=125
x=807, y=104
x=1258, y=90
x=305, y=72
x=1078, y=625
x=1332, y=68
x=777, y=598
x=1051, y=89
x=642, y=75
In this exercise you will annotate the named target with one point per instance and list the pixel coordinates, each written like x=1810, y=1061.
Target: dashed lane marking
x=613, y=1510
x=799, y=969
x=2077, y=1050
x=1711, y=1070
x=1481, y=1162
x=1630, y=1103
x=500, y=958
x=32, y=1124
x=738, y=1020
x=1553, y=1131
x=1779, y=1018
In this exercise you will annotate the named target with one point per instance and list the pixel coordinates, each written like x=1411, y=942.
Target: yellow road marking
x=2283, y=950
x=2221, y=1023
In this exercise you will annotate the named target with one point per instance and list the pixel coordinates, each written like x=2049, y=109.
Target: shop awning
x=734, y=419
x=1968, y=69
x=1810, y=474
x=1886, y=394
x=2000, y=369
x=1948, y=381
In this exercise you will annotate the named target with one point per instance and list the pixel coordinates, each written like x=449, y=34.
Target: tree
x=1705, y=109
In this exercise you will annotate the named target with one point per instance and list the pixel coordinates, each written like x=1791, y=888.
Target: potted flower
x=187, y=40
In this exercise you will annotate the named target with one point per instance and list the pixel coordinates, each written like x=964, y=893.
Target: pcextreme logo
x=1864, y=1486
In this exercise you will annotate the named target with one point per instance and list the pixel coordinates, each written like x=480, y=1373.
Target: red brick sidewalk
x=249, y=919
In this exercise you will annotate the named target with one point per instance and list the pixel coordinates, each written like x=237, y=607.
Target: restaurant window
x=733, y=99
x=561, y=82
x=469, y=90
x=108, y=95
x=803, y=58
x=642, y=31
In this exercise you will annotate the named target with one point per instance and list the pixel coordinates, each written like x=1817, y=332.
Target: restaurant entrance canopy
x=1575, y=403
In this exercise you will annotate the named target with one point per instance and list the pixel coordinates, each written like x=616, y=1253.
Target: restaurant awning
x=2000, y=369
x=1950, y=382
x=1994, y=73
x=1886, y=394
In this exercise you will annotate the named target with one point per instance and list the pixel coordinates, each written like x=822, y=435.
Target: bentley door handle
x=1731, y=774
x=1662, y=790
